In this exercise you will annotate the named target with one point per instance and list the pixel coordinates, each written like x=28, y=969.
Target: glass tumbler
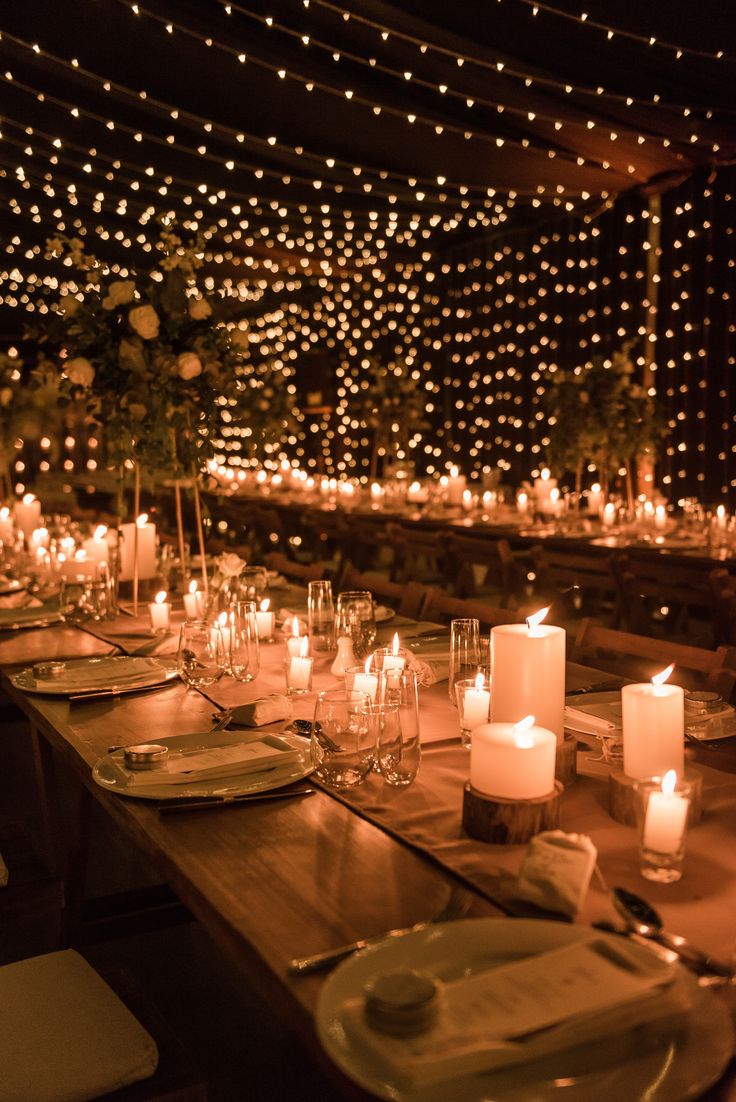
x=252, y=582
x=663, y=810
x=343, y=743
x=244, y=652
x=321, y=615
x=464, y=652
x=356, y=618
x=398, y=748
x=201, y=656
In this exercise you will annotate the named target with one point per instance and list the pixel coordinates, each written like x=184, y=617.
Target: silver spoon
x=642, y=918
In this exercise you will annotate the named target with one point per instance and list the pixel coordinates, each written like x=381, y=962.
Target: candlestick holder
x=623, y=800
x=509, y=822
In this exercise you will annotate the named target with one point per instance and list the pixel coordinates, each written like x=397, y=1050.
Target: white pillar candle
x=160, y=612
x=608, y=516
x=294, y=643
x=456, y=485
x=654, y=728
x=27, y=513
x=595, y=499
x=543, y=487
x=146, y=549
x=7, y=526
x=265, y=620
x=299, y=670
x=666, y=817
x=96, y=546
x=513, y=761
x=660, y=518
x=193, y=603
x=528, y=674
x=721, y=518
x=522, y=502
x=476, y=705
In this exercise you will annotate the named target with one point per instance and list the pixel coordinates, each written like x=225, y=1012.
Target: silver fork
x=455, y=907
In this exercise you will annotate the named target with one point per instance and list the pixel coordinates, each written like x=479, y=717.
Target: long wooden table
x=267, y=881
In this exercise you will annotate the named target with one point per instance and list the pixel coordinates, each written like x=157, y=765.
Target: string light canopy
x=462, y=192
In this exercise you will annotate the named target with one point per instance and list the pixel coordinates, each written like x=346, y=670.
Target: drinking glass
x=464, y=651
x=398, y=749
x=244, y=653
x=73, y=599
x=473, y=704
x=321, y=615
x=343, y=744
x=356, y=618
x=201, y=656
x=662, y=819
x=252, y=582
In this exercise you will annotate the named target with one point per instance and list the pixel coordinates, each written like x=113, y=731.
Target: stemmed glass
x=201, y=655
x=356, y=618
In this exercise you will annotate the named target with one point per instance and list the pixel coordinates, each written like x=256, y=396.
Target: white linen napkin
x=430, y=661
x=267, y=709
x=556, y=871
x=520, y=1011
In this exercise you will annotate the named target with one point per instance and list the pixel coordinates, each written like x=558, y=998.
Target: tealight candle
x=7, y=526
x=595, y=499
x=27, y=513
x=456, y=485
x=193, y=602
x=365, y=681
x=513, y=761
x=97, y=547
x=226, y=622
x=608, y=516
x=528, y=673
x=146, y=549
x=392, y=660
x=160, y=612
x=665, y=818
x=476, y=705
x=653, y=727
x=543, y=487
x=299, y=670
x=78, y=566
x=293, y=643
x=265, y=621
x=522, y=502
x=660, y=518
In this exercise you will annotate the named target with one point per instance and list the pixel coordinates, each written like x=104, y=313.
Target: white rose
x=119, y=293
x=188, y=365
x=229, y=564
x=80, y=371
x=6, y=396
x=144, y=320
x=199, y=309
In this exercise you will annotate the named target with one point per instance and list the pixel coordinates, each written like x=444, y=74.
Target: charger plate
x=675, y=1066
x=119, y=673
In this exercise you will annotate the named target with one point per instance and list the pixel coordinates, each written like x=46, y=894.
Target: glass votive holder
x=298, y=669
x=388, y=658
x=663, y=808
x=394, y=730
x=362, y=679
x=473, y=696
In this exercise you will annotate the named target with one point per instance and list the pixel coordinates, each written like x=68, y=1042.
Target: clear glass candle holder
x=662, y=818
x=473, y=698
x=298, y=669
x=464, y=652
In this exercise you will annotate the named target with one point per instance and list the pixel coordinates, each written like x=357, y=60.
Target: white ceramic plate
x=680, y=1067
x=108, y=775
x=82, y=675
x=382, y=614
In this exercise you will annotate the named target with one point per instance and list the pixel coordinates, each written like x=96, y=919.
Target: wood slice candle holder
x=509, y=822
x=622, y=797
x=566, y=760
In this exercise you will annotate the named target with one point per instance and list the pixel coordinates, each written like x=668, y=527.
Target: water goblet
x=201, y=655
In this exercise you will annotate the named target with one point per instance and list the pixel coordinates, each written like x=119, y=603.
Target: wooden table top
x=267, y=881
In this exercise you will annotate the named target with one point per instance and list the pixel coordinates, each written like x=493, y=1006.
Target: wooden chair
x=367, y=544
x=296, y=571
x=723, y=593
x=640, y=656
x=438, y=606
x=581, y=581
x=405, y=599
x=419, y=554
x=658, y=592
x=492, y=557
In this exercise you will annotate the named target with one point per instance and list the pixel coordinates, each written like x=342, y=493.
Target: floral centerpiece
x=224, y=582
x=598, y=414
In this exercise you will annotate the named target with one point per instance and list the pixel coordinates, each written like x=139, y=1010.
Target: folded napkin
x=518, y=1012
x=556, y=871
x=239, y=759
x=429, y=668
x=286, y=616
x=268, y=709
x=66, y=1036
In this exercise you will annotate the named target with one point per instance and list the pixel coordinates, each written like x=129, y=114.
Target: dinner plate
x=677, y=1066
x=608, y=706
x=29, y=618
x=382, y=614
x=91, y=675
x=107, y=774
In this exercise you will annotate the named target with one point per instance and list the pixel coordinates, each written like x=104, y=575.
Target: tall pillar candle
x=512, y=761
x=528, y=675
x=654, y=730
x=27, y=515
x=146, y=550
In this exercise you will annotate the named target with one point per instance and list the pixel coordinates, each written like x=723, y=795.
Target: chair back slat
x=438, y=606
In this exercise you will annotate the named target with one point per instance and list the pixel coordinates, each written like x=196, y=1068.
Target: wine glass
x=201, y=656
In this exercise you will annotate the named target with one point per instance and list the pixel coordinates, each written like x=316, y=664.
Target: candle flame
x=222, y=619
x=479, y=681
x=265, y=604
x=660, y=678
x=669, y=782
x=721, y=511
x=193, y=586
x=454, y=472
x=295, y=627
x=160, y=597
x=522, y=498
x=524, y=725
x=142, y=520
x=100, y=532
x=80, y=556
x=610, y=508
x=395, y=643
x=304, y=647
x=39, y=534
x=554, y=494
x=28, y=499
x=533, y=622
x=544, y=474
x=596, y=488
x=523, y=740
x=375, y=489
x=4, y=513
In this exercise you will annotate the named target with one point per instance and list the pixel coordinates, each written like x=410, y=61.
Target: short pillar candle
x=513, y=761
x=528, y=674
x=653, y=728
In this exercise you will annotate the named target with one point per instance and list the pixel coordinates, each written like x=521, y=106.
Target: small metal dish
x=703, y=703
x=45, y=671
x=145, y=755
